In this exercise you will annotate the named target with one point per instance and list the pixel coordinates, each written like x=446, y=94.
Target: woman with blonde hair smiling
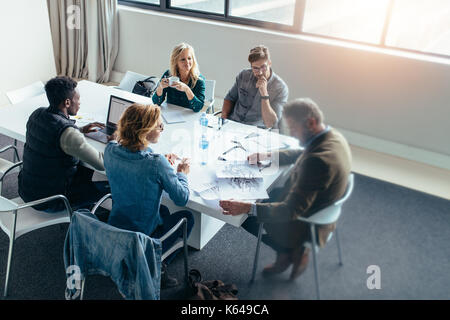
x=137, y=176
x=189, y=91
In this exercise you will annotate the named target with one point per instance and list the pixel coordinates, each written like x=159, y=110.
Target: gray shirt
x=247, y=99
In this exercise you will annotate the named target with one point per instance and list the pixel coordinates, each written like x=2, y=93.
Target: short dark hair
x=302, y=109
x=59, y=89
x=258, y=53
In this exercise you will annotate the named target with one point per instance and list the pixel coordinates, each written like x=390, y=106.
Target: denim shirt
x=137, y=180
x=131, y=259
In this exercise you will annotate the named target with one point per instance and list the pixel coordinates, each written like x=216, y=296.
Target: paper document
x=237, y=169
x=172, y=113
x=242, y=189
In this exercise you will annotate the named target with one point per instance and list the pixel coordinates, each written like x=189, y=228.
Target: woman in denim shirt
x=137, y=177
x=189, y=92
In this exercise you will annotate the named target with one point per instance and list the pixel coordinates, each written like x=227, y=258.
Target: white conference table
x=180, y=138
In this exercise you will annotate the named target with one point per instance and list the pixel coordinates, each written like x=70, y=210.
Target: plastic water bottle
x=204, y=123
x=204, y=144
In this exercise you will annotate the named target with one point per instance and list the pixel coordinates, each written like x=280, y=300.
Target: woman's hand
x=180, y=86
x=184, y=166
x=164, y=83
x=171, y=157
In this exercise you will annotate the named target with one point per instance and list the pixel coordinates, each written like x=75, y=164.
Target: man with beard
x=319, y=178
x=53, y=149
x=258, y=94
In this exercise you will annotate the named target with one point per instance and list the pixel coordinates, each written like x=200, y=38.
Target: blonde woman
x=189, y=91
x=137, y=177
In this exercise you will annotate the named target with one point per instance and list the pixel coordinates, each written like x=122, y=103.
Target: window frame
x=296, y=28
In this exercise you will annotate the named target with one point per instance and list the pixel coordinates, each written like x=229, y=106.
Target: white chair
x=18, y=218
x=24, y=93
x=182, y=243
x=209, y=95
x=8, y=166
x=328, y=215
x=129, y=80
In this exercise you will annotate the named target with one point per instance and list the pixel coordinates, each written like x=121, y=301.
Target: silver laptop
x=115, y=109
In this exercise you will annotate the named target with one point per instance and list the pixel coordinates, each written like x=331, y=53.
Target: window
x=276, y=11
x=358, y=20
x=422, y=25
x=213, y=6
x=413, y=25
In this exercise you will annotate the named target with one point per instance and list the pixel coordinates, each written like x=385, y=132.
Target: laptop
x=116, y=107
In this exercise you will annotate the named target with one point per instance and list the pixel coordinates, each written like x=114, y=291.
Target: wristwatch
x=264, y=97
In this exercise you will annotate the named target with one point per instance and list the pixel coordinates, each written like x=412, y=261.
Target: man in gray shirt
x=258, y=95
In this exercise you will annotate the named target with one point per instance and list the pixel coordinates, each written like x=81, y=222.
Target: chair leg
x=255, y=262
x=316, y=270
x=82, y=288
x=185, y=251
x=338, y=247
x=10, y=252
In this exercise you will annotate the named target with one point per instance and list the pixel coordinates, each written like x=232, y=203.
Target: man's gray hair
x=302, y=109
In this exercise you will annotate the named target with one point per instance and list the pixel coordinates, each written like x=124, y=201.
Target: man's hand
x=235, y=208
x=184, y=166
x=255, y=158
x=92, y=127
x=261, y=84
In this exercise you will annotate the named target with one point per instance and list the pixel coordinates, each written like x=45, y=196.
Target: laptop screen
x=116, y=107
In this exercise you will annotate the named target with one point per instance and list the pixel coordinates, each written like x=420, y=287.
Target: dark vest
x=47, y=170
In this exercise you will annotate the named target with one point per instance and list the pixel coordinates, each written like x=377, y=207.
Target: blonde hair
x=135, y=124
x=258, y=53
x=194, y=73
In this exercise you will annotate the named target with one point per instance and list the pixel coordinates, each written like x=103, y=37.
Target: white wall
x=389, y=101
x=26, y=53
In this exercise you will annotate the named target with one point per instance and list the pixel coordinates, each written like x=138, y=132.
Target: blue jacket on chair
x=131, y=259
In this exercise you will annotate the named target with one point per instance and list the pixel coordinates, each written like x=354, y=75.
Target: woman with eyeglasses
x=189, y=90
x=137, y=176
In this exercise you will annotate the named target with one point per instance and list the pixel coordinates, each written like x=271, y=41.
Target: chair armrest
x=182, y=222
x=217, y=113
x=99, y=202
x=10, y=147
x=15, y=165
x=48, y=199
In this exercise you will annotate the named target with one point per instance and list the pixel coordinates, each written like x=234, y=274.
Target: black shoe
x=166, y=280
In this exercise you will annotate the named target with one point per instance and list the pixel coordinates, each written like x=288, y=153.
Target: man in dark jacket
x=53, y=150
x=318, y=179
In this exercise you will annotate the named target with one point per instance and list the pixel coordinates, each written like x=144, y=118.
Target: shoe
x=166, y=280
x=281, y=264
x=300, y=259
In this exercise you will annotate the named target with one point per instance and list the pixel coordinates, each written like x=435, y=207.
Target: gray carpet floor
x=404, y=232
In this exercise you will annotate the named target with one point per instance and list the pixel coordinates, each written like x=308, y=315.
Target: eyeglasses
x=263, y=68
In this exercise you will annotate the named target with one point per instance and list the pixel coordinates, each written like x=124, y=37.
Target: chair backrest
x=98, y=248
x=129, y=80
x=209, y=90
x=331, y=213
x=24, y=93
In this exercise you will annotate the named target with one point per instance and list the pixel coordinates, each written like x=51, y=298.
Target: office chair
x=6, y=166
x=328, y=215
x=24, y=93
x=129, y=80
x=18, y=218
x=209, y=95
x=179, y=244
